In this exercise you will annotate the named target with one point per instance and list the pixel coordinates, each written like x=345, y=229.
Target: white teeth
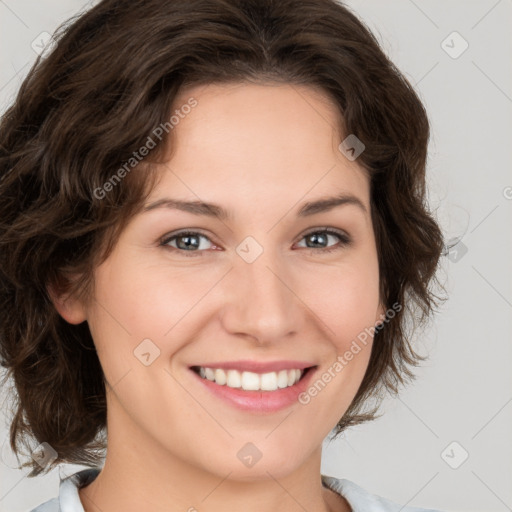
x=282, y=379
x=269, y=381
x=250, y=381
x=234, y=380
x=220, y=377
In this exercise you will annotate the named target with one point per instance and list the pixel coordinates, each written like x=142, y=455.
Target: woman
x=214, y=231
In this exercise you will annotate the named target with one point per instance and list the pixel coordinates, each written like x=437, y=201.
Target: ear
x=68, y=307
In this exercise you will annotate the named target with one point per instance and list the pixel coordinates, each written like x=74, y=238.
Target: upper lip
x=258, y=366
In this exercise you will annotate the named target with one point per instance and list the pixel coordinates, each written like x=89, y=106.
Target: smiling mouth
x=252, y=381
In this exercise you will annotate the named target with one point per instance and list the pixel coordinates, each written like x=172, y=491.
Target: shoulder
x=68, y=499
x=48, y=506
x=361, y=500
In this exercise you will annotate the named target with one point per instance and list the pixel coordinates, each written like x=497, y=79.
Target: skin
x=260, y=151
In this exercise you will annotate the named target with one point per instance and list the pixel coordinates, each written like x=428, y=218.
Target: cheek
x=352, y=311
x=145, y=301
x=348, y=312
x=346, y=298
x=136, y=303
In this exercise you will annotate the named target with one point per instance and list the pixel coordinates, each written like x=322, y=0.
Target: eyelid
x=327, y=229
x=344, y=237
x=187, y=231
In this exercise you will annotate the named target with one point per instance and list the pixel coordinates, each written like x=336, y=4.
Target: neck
x=141, y=474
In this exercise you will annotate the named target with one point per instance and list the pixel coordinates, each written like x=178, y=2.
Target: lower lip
x=259, y=401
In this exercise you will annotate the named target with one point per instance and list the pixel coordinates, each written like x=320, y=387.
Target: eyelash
x=343, y=237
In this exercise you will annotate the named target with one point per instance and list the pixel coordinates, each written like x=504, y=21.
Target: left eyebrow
x=326, y=204
x=320, y=205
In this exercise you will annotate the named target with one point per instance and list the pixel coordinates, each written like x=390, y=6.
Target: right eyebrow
x=194, y=207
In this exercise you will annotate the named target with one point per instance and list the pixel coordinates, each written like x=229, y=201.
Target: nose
x=261, y=302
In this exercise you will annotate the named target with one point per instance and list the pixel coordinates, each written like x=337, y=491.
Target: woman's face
x=263, y=284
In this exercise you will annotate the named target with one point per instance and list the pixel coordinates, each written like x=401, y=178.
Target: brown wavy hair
x=89, y=103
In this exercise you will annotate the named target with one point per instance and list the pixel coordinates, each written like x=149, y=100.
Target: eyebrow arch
x=213, y=210
x=328, y=203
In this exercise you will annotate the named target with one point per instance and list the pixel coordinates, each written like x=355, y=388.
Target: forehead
x=281, y=116
x=260, y=142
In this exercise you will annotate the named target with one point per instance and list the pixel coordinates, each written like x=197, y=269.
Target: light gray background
x=464, y=392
